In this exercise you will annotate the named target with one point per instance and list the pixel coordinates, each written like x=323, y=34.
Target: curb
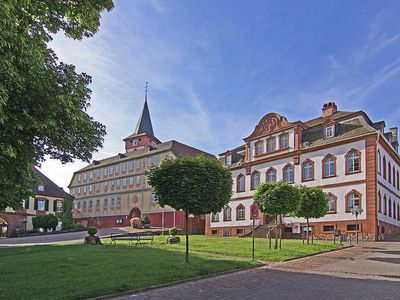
x=173, y=283
x=319, y=253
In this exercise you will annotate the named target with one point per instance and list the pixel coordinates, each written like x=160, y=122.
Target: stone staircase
x=260, y=231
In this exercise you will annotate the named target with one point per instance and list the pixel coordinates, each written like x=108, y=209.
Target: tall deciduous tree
x=277, y=199
x=43, y=102
x=197, y=185
x=313, y=204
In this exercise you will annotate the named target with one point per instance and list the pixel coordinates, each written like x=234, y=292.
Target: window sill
x=351, y=173
x=331, y=176
x=227, y=220
x=240, y=219
x=305, y=180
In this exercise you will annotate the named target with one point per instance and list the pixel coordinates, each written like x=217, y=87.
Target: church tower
x=143, y=135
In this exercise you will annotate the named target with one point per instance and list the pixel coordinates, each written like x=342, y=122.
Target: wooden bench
x=139, y=239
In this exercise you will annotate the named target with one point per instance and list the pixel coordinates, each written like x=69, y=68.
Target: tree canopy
x=313, y=204
x=197, y=185
x=278, y=198
x=43, y=102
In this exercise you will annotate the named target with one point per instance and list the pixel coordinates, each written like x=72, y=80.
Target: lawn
x=241, y=247
x=82, y=271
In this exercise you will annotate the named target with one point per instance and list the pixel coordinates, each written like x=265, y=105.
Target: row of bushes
x=50, y=222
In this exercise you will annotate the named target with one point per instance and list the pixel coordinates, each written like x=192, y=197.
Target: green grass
x=241, y=247
x=82, y=271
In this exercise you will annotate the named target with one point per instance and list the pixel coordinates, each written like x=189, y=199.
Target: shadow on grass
x=82, y=271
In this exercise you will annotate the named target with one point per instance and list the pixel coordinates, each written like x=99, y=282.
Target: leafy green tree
x=197, y=185
x=277, y=199
x=66, y=214
x=313, y=204
x=43, y=102
x=45, y=221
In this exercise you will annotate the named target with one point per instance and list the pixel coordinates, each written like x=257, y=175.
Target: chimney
x=394, y=138
x=329, y=109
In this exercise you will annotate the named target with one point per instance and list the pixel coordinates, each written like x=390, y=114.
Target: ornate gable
x=270, y=123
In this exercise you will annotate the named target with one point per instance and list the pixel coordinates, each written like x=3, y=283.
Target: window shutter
x=35, y=206
x=46, y=207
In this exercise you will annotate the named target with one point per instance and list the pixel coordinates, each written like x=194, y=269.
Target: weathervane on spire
x=145, y=89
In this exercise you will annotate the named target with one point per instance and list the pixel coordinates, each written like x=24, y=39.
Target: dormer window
x=329, y=132
x=283, y=141
x=229, y=159
x=271, y=144
x=259, y=148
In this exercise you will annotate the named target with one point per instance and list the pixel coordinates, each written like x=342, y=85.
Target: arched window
x=329, y=166
x=379, y=202
x=331, y=203
x=353, y=199
x=384, y=167
x=240, y=212
x=379, y=162
x=271, y=175
x=353, y=163
x=398, y=180
x=390, y=207
x=389, y=173
x=398, y=210
x=227, y=213
x=384, y=205
x=394, y=176
x=255, y=180
x=240, y=183
x=259, y=148
x=214, y=217
x=288, y=173
x=308, y=170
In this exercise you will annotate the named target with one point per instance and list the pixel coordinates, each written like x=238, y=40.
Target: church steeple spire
x=144, y=123
x=143, y=134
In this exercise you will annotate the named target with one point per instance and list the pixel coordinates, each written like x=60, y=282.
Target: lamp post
x=356, y=211
x=191, y=217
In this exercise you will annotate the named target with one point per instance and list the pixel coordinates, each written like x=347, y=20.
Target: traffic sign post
x=254, y=215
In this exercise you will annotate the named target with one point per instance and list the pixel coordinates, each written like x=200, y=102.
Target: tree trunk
x=276, y=231
x=280, y=232
x=187, y=236
x=308, y=232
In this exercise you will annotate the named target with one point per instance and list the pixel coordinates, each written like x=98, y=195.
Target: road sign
x=254, y=211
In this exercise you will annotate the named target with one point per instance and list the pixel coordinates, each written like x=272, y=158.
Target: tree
x=197, y=185
x=277, y=199
x=66, y=214
x=43, y=102
x=313, y=204
x=45, y=221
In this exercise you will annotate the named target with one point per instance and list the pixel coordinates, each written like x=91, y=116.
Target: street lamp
x=355, y=212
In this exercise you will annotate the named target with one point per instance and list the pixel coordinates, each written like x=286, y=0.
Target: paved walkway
x=370, y=271
x=55, y=238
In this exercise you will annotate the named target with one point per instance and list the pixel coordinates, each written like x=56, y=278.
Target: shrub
x=78, y=227
x=145, y=219
x=173, y=231
x=92, y=230
x=45, y=221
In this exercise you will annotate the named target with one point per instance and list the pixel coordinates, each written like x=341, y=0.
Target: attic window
x=40, y=188
x=329, y=132
x=229, y=159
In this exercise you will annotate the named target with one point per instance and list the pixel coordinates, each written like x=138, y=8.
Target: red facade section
x=171, y=219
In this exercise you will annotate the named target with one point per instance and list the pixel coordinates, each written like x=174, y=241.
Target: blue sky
x=216, y=67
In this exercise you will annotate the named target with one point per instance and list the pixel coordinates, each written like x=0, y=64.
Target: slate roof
x=179, y=149
x=50, y=188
